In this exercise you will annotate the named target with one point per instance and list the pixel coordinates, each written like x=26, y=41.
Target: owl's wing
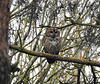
x=45, y=50
x=46, y=47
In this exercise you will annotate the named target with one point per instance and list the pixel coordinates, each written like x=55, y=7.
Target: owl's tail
x=51, y=61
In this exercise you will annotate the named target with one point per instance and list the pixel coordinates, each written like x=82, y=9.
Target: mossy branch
x=56, y=57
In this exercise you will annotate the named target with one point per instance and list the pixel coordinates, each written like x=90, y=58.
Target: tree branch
x=87, y=24
x=74, y=23
x=56, y=57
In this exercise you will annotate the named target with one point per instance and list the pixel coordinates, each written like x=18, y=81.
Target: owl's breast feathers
x=52, y=45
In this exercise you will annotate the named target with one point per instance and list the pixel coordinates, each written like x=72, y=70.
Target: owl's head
x=52, y=32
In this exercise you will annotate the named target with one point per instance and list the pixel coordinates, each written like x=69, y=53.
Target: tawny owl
x=52, y=43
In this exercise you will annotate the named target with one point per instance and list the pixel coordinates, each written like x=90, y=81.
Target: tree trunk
x=4, y=59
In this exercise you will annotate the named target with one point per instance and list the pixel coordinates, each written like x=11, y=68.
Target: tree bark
x=4, y=59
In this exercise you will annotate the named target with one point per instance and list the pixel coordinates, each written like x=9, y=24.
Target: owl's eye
x=51, y=31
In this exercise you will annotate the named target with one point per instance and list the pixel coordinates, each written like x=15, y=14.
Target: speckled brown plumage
x=52, y=43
